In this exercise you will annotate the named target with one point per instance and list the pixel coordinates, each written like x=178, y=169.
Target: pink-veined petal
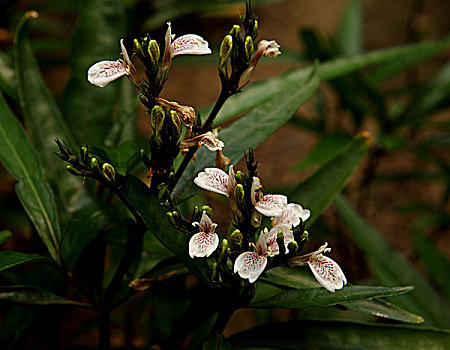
x=271, y=238
x=213, y=179
x=327, y=272
x=190, y=44
x=206, y=224
x=256, y=190
x=231, y=183
x=104, y=72
x=203, y=244
x=291, y=215
x=250, y=265
x=271, y=204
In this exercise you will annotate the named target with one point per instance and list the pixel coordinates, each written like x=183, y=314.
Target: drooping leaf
x=391, y=268
x=252, y=130
x=87, y=108
x=44, y=121
x=350, y=32
x=5, y=235
x=7, y=76
x=20, y=159
x=35, y=296
x=9, y=260
x=155, y=217
x=340, y=335
x=324, y=185
x=314, y=297
x=384, y=309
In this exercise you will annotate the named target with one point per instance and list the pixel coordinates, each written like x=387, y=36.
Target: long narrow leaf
x=349, y=36
x=9, y=260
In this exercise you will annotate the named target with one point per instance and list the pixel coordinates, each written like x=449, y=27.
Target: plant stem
x=103, y=329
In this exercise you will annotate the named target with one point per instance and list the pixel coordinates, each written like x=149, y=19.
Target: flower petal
x=250, y=265
x=190, y=44
x=213, y=179
x=291, y=215
x=327, y=272
x=104, y=72
x=206, y=224
x=203, y=244
x=256, y=190
x=271, y=204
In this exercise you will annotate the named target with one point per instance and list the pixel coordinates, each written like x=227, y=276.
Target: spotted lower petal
x=203, y=244
x=327, y=272
x=190, y=44
x=291, y=215
x=272, y=205
x=250, y=265
x=104, y=72
x=213, y=179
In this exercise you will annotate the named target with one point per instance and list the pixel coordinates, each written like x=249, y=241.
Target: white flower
x=265, y=48
x=104, y=72
x=269, y=204
x=208, y=139
x=217, y=180
x=189, y=44
x=326, y=271
x=271, y=238
x=205, y=242
x=250, y=265
x=291, y=215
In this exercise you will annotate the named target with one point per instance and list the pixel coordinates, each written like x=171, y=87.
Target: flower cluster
x=279, y=240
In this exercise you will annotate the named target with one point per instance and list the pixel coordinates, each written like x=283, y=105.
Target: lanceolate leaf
x=44, y=121
x=340, y=335
x=5, y=235
x=313, y=297
x=349, y=36
x=322, y=187
x=87, y=108
x=155, y=217
x=391, y=268
x=22, y=162
x=9, y=260
x=35, y=296
x=7, y=76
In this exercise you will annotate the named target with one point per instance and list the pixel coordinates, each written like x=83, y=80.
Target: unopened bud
x=153, y=51
x=109, y=172
x=293, y=247
x=145, y=158
x=171, y=219
x=239, y=197
x=303, y=240
x=248, y=47
x=207, y=209
x=157, y=117
x=236, y=238
x=94, y=165
x=240, y=177
x=214, y=271
x=138, y=47
x=74, y=171
x=224, y=247
x=176, y=121
x=225, y=49
x=255, y=29
x=84, y=154
x=236, y=31
x=280, y=242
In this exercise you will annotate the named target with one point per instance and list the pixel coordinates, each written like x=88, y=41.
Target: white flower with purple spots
x=205, y=242
x=250, y=265
x=269, y=204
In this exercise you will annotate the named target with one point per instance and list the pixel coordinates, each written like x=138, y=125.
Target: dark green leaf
x=385, y=309
x=7, y=76
x=340, y=335
x=292, y=277
x=350, y=33
x=314, y=297
x=323, y=186
x=22, y=162
x=9, y=260
x=121, y=155
x=35, y=296
x=328, y=147
x=392, y=268
x=44, y=121
x=88, y=108
x=155, y=217
x=5, y=235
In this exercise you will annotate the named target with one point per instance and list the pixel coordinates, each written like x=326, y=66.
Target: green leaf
x=340, y=335
x=155, y=217
x=258, y=93
x=9, y=260
x=392, y=268
x=120, y=156
x=5, y=235
x=314, y=297
x=252, y=130
x=35, y=296
x=88, y=108
x=20, y=159
x=323, y=186
x=328, y=147
x=44, y=121
x=385, y=309
x=292, y=277
x=350, y=32
x=7, y=76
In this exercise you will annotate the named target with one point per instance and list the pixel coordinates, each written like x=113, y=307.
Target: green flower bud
x=292, y=246
x=255, y=29
x=157, y=117
x=236, y=31
x=84, y=154
x=214, y=271
x=154, y=52
x=176, y=121
x=248, y=47
x=74, y=171
x=94, y=165
x=304, y=238
x=171, y=219
x=239, y=197
x=208, y=210
x=145, y=158
x=138, y=47
x=109, y=172
x=280, y=242
x=224, y=247
x=225, y=50
x=240, y=177
x=236, y=238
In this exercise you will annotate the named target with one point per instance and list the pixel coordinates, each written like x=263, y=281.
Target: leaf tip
x=32, y=14
x=366, y=136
